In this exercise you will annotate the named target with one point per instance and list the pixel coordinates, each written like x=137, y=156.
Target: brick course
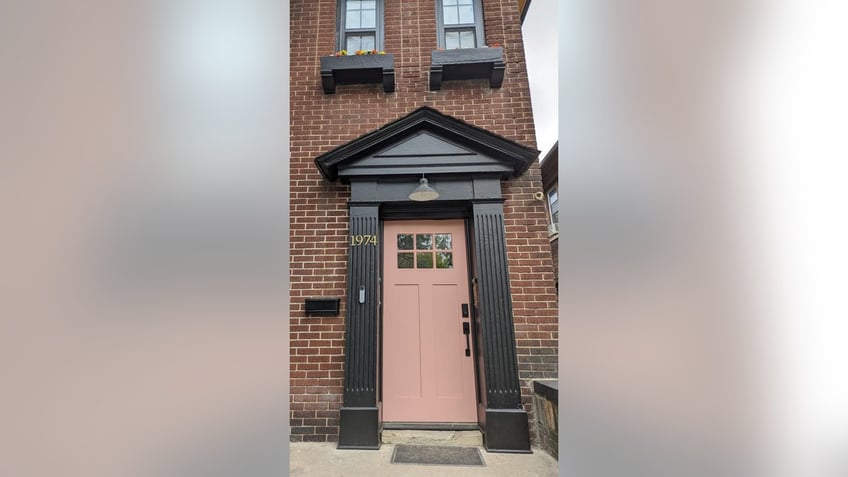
x=319, y=214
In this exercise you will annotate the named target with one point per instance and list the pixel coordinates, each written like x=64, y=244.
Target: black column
x=359, y=417
x=506, y=427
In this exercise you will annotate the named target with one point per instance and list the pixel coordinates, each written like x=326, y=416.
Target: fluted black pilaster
x=506, y=422
x=358, y=426
x=498, y=333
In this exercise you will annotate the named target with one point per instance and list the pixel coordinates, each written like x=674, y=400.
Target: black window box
x=467, y=63
x=358, y=69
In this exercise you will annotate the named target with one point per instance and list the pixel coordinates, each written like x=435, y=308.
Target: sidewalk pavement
x=324, y=460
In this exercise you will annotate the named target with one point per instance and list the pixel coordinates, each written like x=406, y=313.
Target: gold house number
x=357, y=240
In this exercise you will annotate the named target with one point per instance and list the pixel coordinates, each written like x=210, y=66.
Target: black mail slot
x=322, y=306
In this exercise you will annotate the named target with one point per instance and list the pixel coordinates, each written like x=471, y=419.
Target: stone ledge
x=444, y=438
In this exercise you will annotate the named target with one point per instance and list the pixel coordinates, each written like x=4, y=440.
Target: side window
x=460, y=24
x=553, y=204
x=360, y=25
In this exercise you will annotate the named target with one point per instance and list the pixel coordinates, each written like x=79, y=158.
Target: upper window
x=360, y=25
x=460, y=24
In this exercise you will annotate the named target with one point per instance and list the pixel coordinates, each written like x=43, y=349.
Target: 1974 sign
x=358, y=240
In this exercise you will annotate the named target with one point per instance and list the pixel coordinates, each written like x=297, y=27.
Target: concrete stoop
x=441, y=438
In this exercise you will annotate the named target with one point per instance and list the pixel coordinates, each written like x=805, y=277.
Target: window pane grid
x=361, y=14
x=360, y=42
x=359, y=26
x=460, y=24
x=458, y=12
x=425, y=251
x=460, y=39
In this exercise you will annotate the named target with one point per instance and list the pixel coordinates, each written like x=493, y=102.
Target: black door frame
x=501, y=416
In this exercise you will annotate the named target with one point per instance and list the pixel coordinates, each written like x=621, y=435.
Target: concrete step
x=441, y=438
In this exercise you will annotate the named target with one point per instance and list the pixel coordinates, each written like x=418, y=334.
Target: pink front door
x=427, y=376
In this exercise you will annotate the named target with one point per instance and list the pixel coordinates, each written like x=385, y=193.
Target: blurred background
x=143, y=237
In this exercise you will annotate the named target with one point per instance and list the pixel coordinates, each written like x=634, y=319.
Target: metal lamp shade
x=423, y=192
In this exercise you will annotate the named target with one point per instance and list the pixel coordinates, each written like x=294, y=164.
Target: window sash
x=460, y=41
x=461, y=16
x=553, y=205
x=360, y=16
x=350, y=38
x=458, y=12
x=360, y=41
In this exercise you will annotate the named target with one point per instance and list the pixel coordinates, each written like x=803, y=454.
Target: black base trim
x=359, y=428
x=432, y=426
x=507, y=431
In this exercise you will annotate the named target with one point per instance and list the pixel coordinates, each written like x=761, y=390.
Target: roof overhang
x=426, y=142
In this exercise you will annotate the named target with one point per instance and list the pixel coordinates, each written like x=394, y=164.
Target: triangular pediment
x=426, y=142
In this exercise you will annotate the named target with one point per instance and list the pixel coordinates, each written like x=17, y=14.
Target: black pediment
x=426, y=142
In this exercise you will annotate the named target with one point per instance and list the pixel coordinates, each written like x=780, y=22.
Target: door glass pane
x=405, y=260
x=443, y=242
x=424, y=241
x=404, y=241
x=451, y=40
x=425, y=259
x=466, y=14
x=466, y=39
x=444, y=260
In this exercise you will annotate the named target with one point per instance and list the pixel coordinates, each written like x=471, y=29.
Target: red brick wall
x=321, y=122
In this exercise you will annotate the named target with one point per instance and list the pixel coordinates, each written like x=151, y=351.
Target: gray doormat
x=436, y=455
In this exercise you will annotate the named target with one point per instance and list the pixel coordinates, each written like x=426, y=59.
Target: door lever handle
x=466, y=330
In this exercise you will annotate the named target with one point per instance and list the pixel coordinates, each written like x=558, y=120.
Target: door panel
x=448, y=374
x=426, y=375
x=405, y=383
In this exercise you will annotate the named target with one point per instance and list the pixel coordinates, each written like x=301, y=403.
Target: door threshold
x=432, y=426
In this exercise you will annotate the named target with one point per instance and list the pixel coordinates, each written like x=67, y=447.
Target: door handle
x=466, y=330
